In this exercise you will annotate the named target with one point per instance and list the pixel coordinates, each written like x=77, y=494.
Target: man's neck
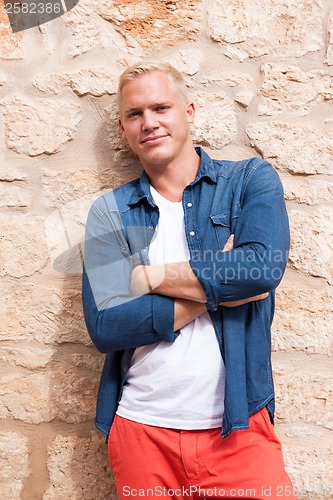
x=171, y=180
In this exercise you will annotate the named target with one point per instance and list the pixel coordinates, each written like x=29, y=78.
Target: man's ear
x=190, y=112
x=121, y=128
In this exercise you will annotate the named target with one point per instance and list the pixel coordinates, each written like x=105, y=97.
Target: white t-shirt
x=178, y=385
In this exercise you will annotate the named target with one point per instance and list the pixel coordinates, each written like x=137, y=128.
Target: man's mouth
x=152, y=138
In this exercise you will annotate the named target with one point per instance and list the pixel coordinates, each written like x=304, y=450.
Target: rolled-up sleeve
x=115, y=320
x=261, y=244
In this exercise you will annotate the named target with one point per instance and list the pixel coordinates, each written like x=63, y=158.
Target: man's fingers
x=229, y=244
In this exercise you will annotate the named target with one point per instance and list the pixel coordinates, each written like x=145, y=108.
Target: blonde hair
x=136, y=70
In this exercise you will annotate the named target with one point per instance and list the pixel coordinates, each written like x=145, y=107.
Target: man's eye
x=162, y=108
x=133, y=114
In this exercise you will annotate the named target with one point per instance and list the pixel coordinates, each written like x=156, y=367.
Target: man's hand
x=236, y=303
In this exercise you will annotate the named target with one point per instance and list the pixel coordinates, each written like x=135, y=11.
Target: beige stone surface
x=96, y=81
x=274, y=27
x=75, y=184
x=11, y=44
x=87, y=31
x=50, y=315
x=65, y=393
x=14, y=464
x=29, y=355
x=12, y=195
x=304, y=386
x=9, y=173
x=73, y=392
x=3, y=79
x=303, y=318
x=111, y=125
x=23, y=249
x=213, y=109
x=78, y=468
x=307, y=190
x=311, y=247
x=93, y=361
x=152, y=23
x=25, y=396
x=287, y=88
x=46, y=314
x=33, y=127
x=294, y=148
x=308, y=463
x=329, y=55
x=239, y=86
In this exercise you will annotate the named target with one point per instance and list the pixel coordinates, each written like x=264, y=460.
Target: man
x=178, y=291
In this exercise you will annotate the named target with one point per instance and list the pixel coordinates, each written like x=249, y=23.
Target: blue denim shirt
x=244, y=198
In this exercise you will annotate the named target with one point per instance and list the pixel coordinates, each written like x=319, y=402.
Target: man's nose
x=149, y=121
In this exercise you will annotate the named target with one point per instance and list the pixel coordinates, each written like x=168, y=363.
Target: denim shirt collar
x=206, y=169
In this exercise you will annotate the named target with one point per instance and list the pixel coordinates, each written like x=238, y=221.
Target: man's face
x=154, y=120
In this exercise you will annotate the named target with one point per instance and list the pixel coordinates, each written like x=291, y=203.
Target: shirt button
x=189, y=205
x=192, y=233
x=150, y=228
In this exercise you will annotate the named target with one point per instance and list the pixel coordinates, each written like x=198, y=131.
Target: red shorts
x=153, y=462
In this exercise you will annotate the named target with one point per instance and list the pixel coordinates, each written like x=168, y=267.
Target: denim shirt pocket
x=224, y=225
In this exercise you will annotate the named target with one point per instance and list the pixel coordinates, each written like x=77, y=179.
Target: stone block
x=96, y=81
x=213, y=109
x=34, y=127
x=23, y=249
x=304, y=389
x=311, y=246
x=10, y=173
x=303, y=317
x=11, y=44
x=78, y=469
x=298, y=149
x=254, y=29
x=88, y=31
x=12, y=195
x=14, y=464
x=188, y=60
x=307, y=190
x=70, y=186
x=288, y=88
x=73, y=393
x=25, y=396
x=45, y=314
x=154, y=24
x=28, y=356
x=68, y=394
x=308, y=461
x=240, y=86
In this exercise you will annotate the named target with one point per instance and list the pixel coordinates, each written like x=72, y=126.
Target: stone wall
x=261, y=75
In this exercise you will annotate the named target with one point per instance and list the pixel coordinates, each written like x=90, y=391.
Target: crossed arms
x=120, y=314
x=179, y=281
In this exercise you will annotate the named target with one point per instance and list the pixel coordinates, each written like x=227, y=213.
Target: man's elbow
x=97, y=330
x=271, y=275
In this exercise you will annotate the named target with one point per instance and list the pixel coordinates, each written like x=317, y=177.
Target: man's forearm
x=178, y=281
x=186, y=311
x=172, y=280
